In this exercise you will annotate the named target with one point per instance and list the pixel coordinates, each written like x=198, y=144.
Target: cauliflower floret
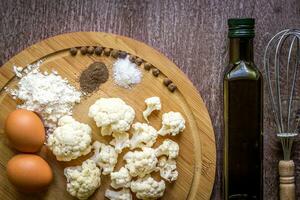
x=65, y=120
x=121, y=178
x=120, y=141
x=70, y=140
x=82, y=181
x=112, y=115
x=168, y=148
x=123, y=194
x=148, y=188
x=153, y=103
x=167, y=169
x=144, y=135
x=105, y=157
x=141, y=163
x=172, y=123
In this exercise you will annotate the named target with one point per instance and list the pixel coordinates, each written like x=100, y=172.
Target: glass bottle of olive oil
x=243, y=100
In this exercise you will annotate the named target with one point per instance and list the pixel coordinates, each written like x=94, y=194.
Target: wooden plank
x=191, y=33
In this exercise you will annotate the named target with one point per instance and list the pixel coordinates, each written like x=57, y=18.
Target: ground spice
x=91, y=78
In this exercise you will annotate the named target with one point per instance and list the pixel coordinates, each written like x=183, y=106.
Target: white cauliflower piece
x=168, y=148
x=167, y=169
x=153, y=103
x=120, y=141
x=82, y=181
x=141, y=163
x=148, y=188
x=172, y=123
x=105, y=157
x=123, y=194
x=144, y=135
x=120, y=179
x=112, y=115
x=70, y=140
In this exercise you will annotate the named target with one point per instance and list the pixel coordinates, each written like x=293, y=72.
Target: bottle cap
x=241, y=27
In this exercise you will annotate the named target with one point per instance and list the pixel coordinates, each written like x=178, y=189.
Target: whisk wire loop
x=283, y=117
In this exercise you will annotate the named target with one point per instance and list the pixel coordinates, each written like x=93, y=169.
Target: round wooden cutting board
x=197, y=160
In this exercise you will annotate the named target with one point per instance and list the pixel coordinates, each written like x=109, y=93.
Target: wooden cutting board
x=197, y=160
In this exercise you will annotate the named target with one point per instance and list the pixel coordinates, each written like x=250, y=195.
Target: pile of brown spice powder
x=92, y=77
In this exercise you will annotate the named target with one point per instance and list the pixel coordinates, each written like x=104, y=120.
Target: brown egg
x=29, y=173
x=25, y=130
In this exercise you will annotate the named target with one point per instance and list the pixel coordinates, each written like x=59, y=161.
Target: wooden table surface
x=193, y=34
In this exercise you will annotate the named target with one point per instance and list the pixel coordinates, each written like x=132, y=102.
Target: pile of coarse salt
x=126, y=73
x=48, y=94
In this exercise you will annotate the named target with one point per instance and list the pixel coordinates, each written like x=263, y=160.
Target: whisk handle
x=287, y=180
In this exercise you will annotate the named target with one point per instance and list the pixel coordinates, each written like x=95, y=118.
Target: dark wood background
x=193, y=34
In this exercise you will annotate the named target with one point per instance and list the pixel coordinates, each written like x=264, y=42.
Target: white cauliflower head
x=120, y=141
x=153, y=103
x=172, y=123
x=144, y=135
x=168, y=148
x=167, y=169
x=82, y=181
x=105, y=157
x=141, y=163
x=123, y=194
x=112, y=115
x=148, y=188
x=70, y=140
x=120, y=179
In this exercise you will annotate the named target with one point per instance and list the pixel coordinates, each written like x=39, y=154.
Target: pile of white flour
x=48, y=94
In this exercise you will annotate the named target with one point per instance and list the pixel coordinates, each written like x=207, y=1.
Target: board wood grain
x=197, y=160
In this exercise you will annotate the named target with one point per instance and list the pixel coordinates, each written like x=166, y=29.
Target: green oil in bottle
x=243, y=107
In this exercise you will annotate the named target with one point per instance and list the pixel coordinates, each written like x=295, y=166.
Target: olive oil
x=243, y=99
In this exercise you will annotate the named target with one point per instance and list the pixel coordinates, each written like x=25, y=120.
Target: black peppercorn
x=132, y=58
x=83, y=50
x=107, y=51
x=114, y=53
x=122, y=54
x=138, y=61
x=172, y=87
x=73, y=51
x=167, y=81
x=147, y=66
x=90, y=50
x=155, y=72
x=98, y=50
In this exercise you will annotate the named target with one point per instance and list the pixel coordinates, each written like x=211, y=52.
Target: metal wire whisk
x=281, y=63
